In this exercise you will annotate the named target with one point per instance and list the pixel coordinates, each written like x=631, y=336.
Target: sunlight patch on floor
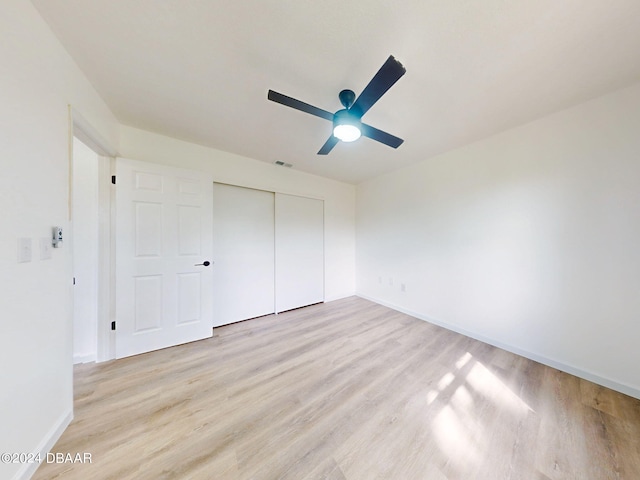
x=458, y=426
x=490, y=386
x=455, y=438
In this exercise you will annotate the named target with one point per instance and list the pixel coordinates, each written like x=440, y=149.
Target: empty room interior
x=320, y=240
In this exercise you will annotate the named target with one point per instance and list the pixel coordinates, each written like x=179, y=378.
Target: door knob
x=205, y=263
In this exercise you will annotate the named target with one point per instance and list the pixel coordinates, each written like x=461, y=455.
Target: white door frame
x=85, y=132
x=106, y=344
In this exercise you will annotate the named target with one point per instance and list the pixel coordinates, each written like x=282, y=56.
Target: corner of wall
x=47, y=443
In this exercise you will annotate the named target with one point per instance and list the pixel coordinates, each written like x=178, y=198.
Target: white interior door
x=243, y=241
x=299, y=251
x=163, y=231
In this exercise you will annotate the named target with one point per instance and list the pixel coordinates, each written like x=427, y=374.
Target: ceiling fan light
x=346, y=133
x=346, y=127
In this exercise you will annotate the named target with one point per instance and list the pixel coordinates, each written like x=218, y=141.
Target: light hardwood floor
x=347, y=390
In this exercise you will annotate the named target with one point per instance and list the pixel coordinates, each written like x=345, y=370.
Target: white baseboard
x=91, y=357
x=339, y=297
x=578, y=372
x=46, y=444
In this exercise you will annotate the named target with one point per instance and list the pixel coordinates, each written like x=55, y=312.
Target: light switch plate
x=24, y=250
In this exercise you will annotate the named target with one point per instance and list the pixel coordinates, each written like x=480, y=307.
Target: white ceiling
x=199, y=70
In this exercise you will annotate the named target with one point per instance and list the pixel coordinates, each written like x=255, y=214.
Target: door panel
x=148, y=229
x=299, y=251
x=189, y=297
x=243, y=240
x=163, y=229
x=147, y=294
x=188, y=230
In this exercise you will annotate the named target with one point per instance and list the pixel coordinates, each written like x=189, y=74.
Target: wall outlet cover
x=24, y=250
x=45, y=248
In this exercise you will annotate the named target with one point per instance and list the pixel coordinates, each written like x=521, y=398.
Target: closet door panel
x=299, y=246
x=243, y=244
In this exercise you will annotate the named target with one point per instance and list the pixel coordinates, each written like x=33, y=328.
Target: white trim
x=269, y=189
x=27, y=470
x=324, y=251
x=341, y=296
x=87, y=134
x=105, y=340
x=91, y=357
x=578, y=372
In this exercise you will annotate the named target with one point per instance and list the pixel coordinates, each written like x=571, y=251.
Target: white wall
x=84, y=245
x=339, y=198
x=529, y=239
x=38, y=80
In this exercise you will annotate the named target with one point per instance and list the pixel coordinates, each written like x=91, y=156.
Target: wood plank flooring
x=347, y=390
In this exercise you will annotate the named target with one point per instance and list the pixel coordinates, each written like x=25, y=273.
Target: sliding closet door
x=299, y=251
x=243, y=245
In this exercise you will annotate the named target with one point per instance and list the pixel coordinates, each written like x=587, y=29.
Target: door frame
x=81, y=129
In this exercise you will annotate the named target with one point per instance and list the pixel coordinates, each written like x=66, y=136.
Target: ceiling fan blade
x=382, y=81
x=328, y=145
x=298, y=105
x=380, y=136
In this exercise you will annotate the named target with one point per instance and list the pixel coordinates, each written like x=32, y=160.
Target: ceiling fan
x=347, y=124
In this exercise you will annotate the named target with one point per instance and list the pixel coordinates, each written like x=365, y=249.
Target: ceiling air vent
x=282, y=164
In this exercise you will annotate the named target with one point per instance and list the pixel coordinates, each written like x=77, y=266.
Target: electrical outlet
x=24, y=250
x=380, y=280
x=403, y=288
x=45, y=248
x=390, y=282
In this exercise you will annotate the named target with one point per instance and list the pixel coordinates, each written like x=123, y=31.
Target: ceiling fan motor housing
x=347, y=97
x=346, y=117
x=346, y=126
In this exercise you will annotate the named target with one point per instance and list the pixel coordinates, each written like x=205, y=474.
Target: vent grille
x=282, y=164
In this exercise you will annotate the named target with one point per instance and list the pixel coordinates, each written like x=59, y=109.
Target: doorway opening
x=91, y=165
x=84, y=246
